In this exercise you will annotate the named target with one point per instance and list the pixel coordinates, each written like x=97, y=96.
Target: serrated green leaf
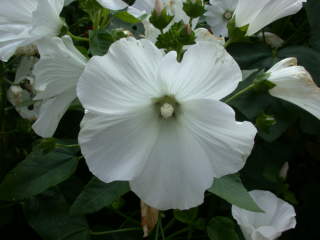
x=48, y=215
x=38, y=172
x=97, y=195
x=222, y=228
x=231, y=189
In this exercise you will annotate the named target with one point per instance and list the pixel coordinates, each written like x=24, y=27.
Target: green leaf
x=249, y=55
x=101, y=40
x=222, y=228
x=38, y=172
x=126, y=17
x=97, y=195
x=48, y=215
x=231, y=189
x=313, y=9
x=186, y=216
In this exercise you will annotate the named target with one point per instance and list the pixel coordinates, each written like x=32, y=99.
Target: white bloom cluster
x=152, y=120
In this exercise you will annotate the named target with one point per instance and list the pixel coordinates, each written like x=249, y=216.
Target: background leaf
x=222, y=228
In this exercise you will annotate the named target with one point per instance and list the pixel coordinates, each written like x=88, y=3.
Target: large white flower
x=218, y=14
x=20, y=94
x=294, y=84
x=278, y=216
x=24, y=22
x=263, y=12
x=57, y=74
x=159, y=124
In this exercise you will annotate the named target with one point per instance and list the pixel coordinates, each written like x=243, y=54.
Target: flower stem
x=115, y=231
x=77, y=38
x=242, y=91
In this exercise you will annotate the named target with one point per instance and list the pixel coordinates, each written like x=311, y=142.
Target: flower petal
x=226, y=142
x=45, y=19
x=206, y=71
x=113, y=4
x=272, y=11
x=294, y=84
x=51, y=112
x=116, y=146
x=122, y=79
x=175, y=175
x=59, y=68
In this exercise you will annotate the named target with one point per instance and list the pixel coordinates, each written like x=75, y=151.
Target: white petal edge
x=113, y=4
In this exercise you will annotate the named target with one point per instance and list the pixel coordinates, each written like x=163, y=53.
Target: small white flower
x=294, y=84
x=24, y=22
x=271, y=39
x=113, y=4
x=159, y=124
x=263, y=12
x=57, y=74
x=218, y=14
x=21, y=93
x=278, y=216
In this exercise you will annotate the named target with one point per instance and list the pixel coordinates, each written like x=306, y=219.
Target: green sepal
x=162, y=20
x=264, y=122
x=194, y=8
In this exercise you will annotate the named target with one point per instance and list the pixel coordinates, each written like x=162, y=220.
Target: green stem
x=68, y=146
x=170, y=224
x=115, y=231
x=242, y=91
x=161, y=229
x=177, y=233
x=77, y=38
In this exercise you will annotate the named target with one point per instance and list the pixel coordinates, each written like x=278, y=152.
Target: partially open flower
x=113, y=4
x=278, y=216
x=57, y=74
x=294, y=84
x=160, y=124
x=264, y=12
x=24, y=22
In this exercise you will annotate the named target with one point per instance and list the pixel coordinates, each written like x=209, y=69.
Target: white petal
x=272, y=11
x=285, y=63
x=278, y=217
x=123, y=79
x=15, y=24
x=51, y=112
x=45, y=19
x=203, y=35
x=175, y=175
x=294, y=84
x=226, y=142
x=246, y=12
x=116, y=147
x=145, y=6
x=206, y=71
x=59, y=68
x=113, y=4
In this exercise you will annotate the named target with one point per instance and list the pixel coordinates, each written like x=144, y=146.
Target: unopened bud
x=158, y=7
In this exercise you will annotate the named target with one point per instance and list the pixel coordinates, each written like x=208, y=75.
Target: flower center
x=227, y=15
x=166, y=107
x=166, y=110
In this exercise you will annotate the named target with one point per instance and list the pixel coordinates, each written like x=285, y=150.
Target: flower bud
x=158, y=7
x=194, y=8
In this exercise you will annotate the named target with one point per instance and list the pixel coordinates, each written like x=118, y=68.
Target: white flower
x=278, y=216
x=218, y=14
x=294, y=84
x=21, y=93
x=57, y=74
x=263, y=12
x=159, y=124
x=113, y=4
x=24, y=22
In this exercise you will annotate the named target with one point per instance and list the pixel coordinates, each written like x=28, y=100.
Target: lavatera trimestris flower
x=294, y=84
x=23, y=22
x=160, y=124
x=56, y=77
x=278, y=216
